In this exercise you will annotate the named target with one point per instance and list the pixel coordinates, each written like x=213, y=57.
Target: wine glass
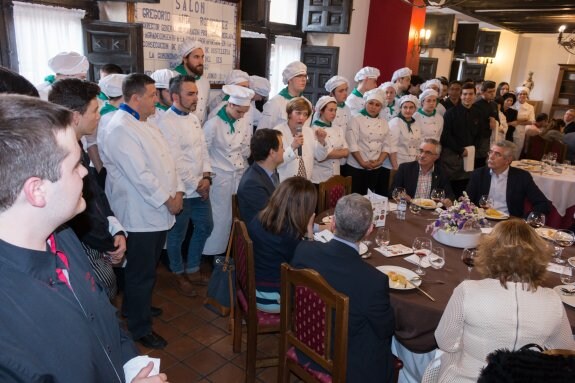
x=562, y=238
x=468, y=257
x=397, y=194
x=421, y=247
x=382, y=237
x=437, y=257
x=535, y=219
x=414, y=208
x=437, y=195
x=552, y=158
x=567, y=278
x=485, y=202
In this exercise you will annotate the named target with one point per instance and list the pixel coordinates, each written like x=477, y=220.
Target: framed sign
x=214, y=23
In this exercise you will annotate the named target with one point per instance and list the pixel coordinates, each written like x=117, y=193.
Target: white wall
x=351, y=46
x=502, y=67
x=540, y=54
x=113, y=11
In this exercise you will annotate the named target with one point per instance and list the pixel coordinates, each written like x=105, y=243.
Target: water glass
x=437, y=257
x=382, y=237
x=567, y=278
x=414, y=208
x=562, y=238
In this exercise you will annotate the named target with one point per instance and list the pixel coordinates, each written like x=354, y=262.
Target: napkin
x=415, y=260
x=134, y=365
x=394, y=250
x=323, y=236
x=469, y=161
x=555, y=268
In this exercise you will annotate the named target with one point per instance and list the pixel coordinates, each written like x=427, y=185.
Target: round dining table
x=416, y=315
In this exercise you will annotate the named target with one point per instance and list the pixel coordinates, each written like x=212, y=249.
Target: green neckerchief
x=341, y=105
x=356, y=93
x=407, y=122
x=181, y=69
x=224, y=116
x=102, y=96
x=322, y=124
x=420, y=110
x=50, y=78
x=364, y=112
x=285, y=94
x=390, y=107
x=163, y=107
x=107, y=108
x=226, y=97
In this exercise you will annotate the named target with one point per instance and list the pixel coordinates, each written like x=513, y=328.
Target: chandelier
x=568, y=42
x=433, y=3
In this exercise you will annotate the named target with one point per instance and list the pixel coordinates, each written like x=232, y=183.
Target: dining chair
x=313, y=315
x=331, y=191
x=235, y=207
x=257, y=322
x=557, y=147
x=536, y=148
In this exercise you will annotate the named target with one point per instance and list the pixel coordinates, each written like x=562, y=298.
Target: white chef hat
x=429, y=83
x=334, y=82
x=366, y=72
x=409, y=98
x=520, y=89
x=293, y=69
x=260, y=85
x=239, y=95
x=403, y=72
x=388, y=84
x=374, y=94
x=427, y=93
x=162, y=78
x=111, y=85
x=321, y=103
x=188, y=46
x=69, y=63
x=237, y=76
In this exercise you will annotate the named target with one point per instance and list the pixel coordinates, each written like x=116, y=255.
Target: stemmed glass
x=437, y=257
x=382, y=237
x=437, y=195
x=397, y=194
x=562, y=238
x=468, y=257
x=567, y=278
x=421, y=247
x=535, y=219
x=485, y=202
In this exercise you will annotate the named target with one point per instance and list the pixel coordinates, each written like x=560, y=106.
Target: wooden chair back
x=557, y=147
x=331, y=191
x=537, y=147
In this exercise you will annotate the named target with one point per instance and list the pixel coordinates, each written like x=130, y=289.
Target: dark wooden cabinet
x=486, y=44
x=327, y=16
x=462, y=70
x=441, y=27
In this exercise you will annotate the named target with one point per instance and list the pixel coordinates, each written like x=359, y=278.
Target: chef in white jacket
x=261, y=86
x=295, y=77
x=431, y=121
x=366, y=79
x=390, y=106
x=301, y=144
x=228, y=140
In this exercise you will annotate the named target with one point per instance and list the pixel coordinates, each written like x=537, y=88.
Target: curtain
x=285, y=49
x=41, y=33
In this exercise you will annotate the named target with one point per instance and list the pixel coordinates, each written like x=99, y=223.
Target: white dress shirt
x=498, y=190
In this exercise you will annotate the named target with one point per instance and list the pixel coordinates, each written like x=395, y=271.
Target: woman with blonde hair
x=509, y=308
x=276, y=231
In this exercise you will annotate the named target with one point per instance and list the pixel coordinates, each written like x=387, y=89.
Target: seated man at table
x=420, y=177
x=507, y=186
x=371, y=319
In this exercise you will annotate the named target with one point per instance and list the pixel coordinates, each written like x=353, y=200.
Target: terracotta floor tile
x=224, y=347
x=221, y=322
x=268, y=374
x=240, y=360
x=187, y=322
x=207, y=334
x=268, y=345
x=166, y=359
x=228, y=374
x=167, y=331
x=181, y=373
x=205, y=362
x=172, y=310
x=207, y=314
x=183, y=347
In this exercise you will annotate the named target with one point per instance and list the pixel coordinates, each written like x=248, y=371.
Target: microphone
x=298, y=131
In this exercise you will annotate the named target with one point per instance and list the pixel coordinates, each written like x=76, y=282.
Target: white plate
x=496, y=217
x=567, y=299
x=362, y=248
x=546, y=232
x=400, y=270
x=424, y=203
x=571, y=261
x=327, y=219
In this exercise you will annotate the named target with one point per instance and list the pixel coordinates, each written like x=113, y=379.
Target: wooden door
x=113, y=43
x=328, y=16
x=322, y=64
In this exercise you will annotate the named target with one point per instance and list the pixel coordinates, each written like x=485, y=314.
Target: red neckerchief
x=59, y=271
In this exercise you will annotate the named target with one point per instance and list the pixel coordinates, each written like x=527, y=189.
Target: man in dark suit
x=420, y=177
x=261, y=178
x=488, y=120
x=371, y=319
x=507, y=186
x=569, y=119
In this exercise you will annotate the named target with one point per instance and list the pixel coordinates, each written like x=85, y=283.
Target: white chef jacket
x=355, y=102
x=405, y=143
x=343, y=121
x=323, y=169
x=311, y=149
x=228, y=153
x=187, y=143
x=369, y=136
x=274, y=112
x=201, y=111
x=141, y=174
x=524, y=111
x=431, y=125
x=389, y=111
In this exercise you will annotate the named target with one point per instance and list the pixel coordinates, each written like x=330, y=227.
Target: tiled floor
x=199, y=344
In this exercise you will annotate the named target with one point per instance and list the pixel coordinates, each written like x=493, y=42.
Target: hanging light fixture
x=433, y=3
x=567, y=42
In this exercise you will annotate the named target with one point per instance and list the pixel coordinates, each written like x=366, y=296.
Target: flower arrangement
x=463, y=215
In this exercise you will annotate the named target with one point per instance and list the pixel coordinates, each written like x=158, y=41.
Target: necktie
x=275, y=178
x=301, y=168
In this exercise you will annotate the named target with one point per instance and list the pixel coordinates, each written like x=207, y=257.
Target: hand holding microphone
x=298, y=140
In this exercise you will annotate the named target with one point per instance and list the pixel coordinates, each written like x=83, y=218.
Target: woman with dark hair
x=506, y=102
x=507, y=309
x=276, y=231
x=502, y=89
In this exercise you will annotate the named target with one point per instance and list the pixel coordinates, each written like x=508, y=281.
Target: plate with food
x=327, y=219
x=568, y=299
x=546, y=232
x=495, y=214
x=530, y=162
x=399, y=277
x=424, y=203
